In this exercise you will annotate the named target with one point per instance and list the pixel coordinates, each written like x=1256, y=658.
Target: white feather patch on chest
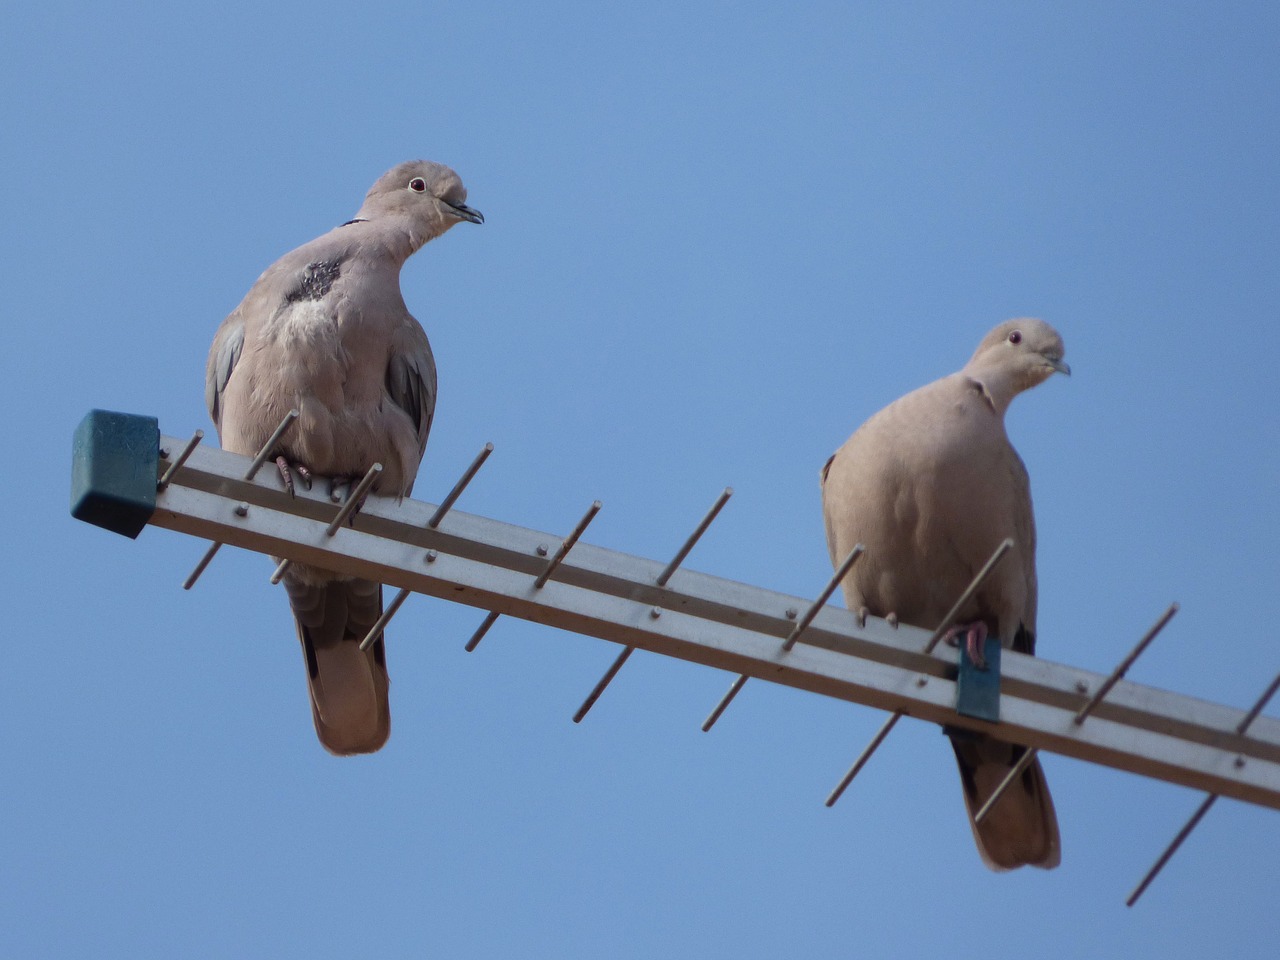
x=307, y=320
x=309, y=353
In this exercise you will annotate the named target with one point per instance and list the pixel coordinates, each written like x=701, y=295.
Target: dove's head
x=1018, y=355
x=425, y=198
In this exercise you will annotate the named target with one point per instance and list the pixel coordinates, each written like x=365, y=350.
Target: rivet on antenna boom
x=445, y=505
x=841, y=571
x=1208, y=801
x=249, y=474
x=1030, y=754
x=663, y=577
x=538, y=584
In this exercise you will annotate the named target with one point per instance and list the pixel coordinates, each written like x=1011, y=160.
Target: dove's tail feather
x=1022, y=828
x=348, y=686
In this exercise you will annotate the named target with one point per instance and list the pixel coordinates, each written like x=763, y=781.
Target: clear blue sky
x=719, y=237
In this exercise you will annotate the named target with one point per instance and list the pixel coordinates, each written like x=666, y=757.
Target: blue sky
x=718, y=237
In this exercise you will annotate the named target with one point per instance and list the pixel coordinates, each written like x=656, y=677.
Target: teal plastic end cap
x=114, y=462
x=978, y=688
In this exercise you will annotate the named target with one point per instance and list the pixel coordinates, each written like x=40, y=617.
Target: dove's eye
x=418, y=185
x=1015, y=336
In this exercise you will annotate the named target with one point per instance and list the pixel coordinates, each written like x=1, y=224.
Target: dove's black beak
x=463, y=212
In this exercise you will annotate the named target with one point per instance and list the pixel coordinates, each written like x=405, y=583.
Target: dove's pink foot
x=286, y=473
x=975, y=638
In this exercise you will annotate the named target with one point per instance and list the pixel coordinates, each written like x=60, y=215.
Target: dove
x=325, y=331
x=931, y=485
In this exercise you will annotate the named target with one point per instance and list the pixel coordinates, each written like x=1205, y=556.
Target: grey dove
x=930, y=486
x=325, y=331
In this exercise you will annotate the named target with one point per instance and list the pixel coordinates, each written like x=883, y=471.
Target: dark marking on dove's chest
x=315, y=281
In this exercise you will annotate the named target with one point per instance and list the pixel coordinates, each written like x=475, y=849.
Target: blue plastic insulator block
x=114, y=462
x=978, y=688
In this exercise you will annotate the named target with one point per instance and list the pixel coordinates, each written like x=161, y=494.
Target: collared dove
x=930, y=486
x=325, y=331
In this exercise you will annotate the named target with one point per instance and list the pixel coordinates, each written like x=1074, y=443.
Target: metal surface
x=207, y=559
x=1140, y=889
x=430, y=557
x=1118, y=673
x=1014, y=773
x=979, y=578
x=278, y=574
x=726, y=625
x=1241, y=728
x=694, y=537
x=481, y=630
x=176, y=465
x=604, y=681
x=567, y=545
x=841, y=572
x=867, y=751
x=461, y=485
x=719, y=708
x=541, y=550
x=662, y=579
x=376, y=630
x=845, y=566
x=254, y=465
x=934, y=638
x=354, y=499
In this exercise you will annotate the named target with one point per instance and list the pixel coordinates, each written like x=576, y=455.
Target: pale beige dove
x=325, y=331
x=930, y=486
